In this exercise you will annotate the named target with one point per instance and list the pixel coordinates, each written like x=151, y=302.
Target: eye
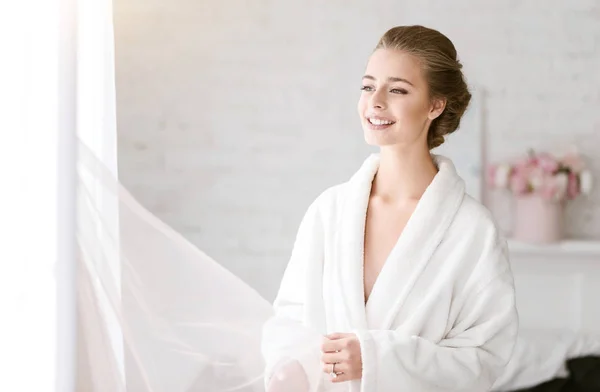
x=366, y=88
x=399, y=91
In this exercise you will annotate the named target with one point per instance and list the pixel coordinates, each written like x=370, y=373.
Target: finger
x=341, y=368
x=341, y=377
x=336, y=345
x=333, y=357
x=329, y=346
x=327, y=367
x=338, y=335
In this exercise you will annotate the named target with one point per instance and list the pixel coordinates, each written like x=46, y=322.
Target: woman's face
x=394, y=106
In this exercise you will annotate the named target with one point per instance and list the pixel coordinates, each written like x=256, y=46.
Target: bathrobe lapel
x=421, y=236
x=346, y=302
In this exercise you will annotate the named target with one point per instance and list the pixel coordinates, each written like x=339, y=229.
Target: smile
x=379, y=123
x=376, y=121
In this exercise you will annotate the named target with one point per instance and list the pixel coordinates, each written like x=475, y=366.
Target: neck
x=403, y=174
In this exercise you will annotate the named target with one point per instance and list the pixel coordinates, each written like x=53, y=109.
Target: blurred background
x=234, y=115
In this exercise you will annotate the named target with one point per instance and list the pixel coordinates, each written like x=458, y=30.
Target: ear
x=437, y=107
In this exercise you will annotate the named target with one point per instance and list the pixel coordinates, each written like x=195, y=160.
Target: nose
x=377, y=100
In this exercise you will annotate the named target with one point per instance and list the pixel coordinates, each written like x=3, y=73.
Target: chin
x=378, y=140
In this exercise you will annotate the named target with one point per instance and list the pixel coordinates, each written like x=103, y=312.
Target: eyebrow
x=390, y=79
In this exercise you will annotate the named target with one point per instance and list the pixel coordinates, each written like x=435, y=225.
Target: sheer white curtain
x=57, y=78
x=97, y=131
x=96, y=293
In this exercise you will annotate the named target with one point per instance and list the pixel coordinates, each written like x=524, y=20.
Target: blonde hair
x=442, y=71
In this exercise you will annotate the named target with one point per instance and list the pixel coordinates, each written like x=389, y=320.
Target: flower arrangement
x=553, y=178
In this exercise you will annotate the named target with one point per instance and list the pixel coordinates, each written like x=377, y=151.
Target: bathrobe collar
x=422, y=234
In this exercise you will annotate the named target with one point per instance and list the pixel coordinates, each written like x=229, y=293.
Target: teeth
x=376, y=121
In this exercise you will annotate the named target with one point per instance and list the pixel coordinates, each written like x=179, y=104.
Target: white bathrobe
x=441, y=315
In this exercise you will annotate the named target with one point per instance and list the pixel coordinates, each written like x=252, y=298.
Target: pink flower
x=518, y=183
x=547, y=163
x=573, y=186
x=549, y=191
x=537, y=179
x=523, y=164
x=544, y=175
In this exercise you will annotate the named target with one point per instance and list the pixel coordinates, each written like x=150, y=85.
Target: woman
x=405, y=276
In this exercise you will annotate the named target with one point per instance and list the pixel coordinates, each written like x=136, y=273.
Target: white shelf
x=575, y=248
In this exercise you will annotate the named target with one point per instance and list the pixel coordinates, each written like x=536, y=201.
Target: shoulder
x=329, y=199
x=332, y=195
x=324, y=210
x=477, y=230
x=476, y=220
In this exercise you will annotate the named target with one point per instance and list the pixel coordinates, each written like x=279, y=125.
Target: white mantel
x=564, y=249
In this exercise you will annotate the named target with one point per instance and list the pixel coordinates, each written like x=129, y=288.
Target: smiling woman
x=405, y=275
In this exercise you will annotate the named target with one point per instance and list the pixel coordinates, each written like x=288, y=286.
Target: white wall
x=234, y=115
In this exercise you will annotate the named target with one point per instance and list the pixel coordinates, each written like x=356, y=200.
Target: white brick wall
x=234, y=115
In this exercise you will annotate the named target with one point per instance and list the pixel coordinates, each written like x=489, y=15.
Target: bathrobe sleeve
x=469, y=358
x=286, y=338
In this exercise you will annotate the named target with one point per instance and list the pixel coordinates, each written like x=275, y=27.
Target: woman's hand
x=343, y=350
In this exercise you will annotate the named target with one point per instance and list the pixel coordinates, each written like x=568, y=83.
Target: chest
x=384, y=225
